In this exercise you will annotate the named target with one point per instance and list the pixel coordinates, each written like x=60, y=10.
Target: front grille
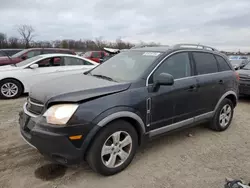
x=244, y=78
x=34, y=106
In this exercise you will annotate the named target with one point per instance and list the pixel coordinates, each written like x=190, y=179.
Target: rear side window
x=49, y=51
x=222, y=63
x=205, y=63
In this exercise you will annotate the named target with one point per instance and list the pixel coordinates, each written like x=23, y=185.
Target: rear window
x=223, y=65
x=205, y=63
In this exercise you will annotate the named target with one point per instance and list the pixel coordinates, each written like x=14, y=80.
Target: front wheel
x=10, y=89
x=223, y=116
x=113, y=148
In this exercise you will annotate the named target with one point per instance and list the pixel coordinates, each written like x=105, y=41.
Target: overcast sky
x=224, y=24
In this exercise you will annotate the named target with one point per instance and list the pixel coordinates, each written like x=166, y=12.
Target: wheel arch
x=11, y=78
x=231, y=95
x=128, y=116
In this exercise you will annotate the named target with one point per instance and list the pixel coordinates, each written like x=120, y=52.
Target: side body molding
x=122, y=114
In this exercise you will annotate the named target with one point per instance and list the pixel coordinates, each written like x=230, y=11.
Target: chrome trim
x=27, y=112
x=121, y=114
x=27, y=141
x=36, y=104
x=185, y=77
x=180, y=124
x=170, y=127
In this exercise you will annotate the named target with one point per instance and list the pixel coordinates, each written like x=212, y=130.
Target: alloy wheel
x=116, y=149
x=9, y=89
x=225, y=115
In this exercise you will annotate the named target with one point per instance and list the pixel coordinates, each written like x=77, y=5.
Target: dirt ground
x=193, y=158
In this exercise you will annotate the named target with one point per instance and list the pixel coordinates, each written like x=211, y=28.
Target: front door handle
x=192, y=88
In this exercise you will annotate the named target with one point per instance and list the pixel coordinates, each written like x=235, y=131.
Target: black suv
x=104, y=114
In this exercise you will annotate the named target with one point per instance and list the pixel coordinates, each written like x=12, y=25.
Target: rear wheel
x=223, y=116
x=113, y=148
x=10, y=89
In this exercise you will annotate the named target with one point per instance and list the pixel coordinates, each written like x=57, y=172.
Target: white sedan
x=18, y=78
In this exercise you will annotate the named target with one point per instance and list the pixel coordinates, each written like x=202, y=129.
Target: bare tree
x=27, y=33
x=3, y=41
x=13, y=42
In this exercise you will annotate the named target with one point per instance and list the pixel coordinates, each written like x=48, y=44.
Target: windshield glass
x=20, y=53
x=126, y=66
x=28, y=61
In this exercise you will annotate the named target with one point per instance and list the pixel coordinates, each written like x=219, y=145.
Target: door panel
x=162, y=112
x=185, y=99
x=209, y=89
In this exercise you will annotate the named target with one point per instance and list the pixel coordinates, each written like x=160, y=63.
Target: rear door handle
x=221, y=82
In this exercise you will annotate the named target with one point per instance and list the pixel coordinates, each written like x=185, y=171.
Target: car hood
x=9, y=68
x=74, y=88
x=6, y=60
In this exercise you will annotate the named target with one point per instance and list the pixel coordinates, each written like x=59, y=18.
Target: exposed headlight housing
x=60, y=114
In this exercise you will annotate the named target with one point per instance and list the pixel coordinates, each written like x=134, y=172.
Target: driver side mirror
x=164, y=79
x=34, y=66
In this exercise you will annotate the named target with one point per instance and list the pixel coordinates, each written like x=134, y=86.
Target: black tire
x=215, y=123
x=19, y=88
x=94, y=157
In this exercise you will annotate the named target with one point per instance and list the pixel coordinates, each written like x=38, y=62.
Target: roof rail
x=148, y=45
x=195, y=46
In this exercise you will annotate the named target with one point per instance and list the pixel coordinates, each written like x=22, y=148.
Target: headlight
x=60, y=114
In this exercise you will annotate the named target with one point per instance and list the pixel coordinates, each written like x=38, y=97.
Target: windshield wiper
x=103, y=77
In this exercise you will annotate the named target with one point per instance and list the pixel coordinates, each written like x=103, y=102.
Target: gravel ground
x=193, y=158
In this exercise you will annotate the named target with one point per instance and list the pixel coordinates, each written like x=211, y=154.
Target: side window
x=50, y=62
x=69, y=61
x=33, y=53
x=86, y=63
x=178, y=65
x=95, y=54
x=222, y=63
x=48, y=51
x=205, y=63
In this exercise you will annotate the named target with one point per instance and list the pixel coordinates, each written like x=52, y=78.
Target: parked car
x=238, y=57
x=105, y=114
x=95, y=55
x=110, y=52
x=18, y=78
x=244, y=86
x=9, y=52
x=239, y=64
x=31, y=52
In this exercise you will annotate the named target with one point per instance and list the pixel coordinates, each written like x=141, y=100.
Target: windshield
x=20, y=53
x=28, y=61
x=126, y=66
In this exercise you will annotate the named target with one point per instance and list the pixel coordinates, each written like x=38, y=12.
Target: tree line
x=27, y=36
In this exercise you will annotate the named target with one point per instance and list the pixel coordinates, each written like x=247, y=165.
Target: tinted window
x=95, y=54
x=51, y=62
x=68, y=61
x=205, y=63
x=33, y=53
x=178, y=65
x=222, y=63
x=64, y=52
